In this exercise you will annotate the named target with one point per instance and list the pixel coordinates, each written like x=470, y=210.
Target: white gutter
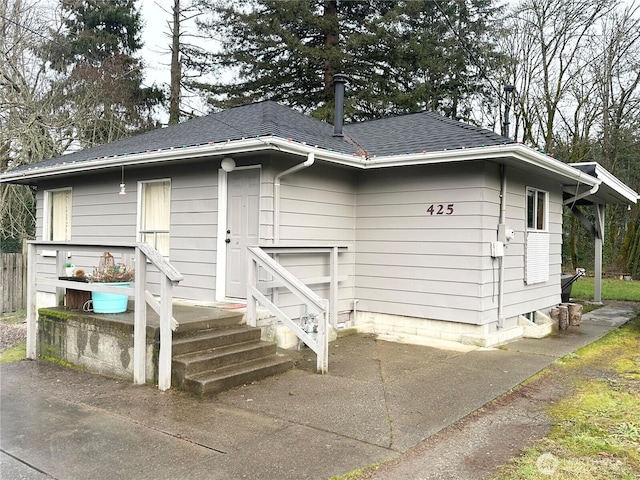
x=575, y=198
x=503, y=221
x=506, y=152
x=276, y=192
x=608, y=179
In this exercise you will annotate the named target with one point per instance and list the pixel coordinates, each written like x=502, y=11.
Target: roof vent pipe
x=339, y=81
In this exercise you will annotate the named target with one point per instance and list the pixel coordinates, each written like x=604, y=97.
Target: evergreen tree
x=102, y=78
x=400, y=56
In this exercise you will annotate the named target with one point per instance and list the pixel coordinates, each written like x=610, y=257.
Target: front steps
x=213, y=356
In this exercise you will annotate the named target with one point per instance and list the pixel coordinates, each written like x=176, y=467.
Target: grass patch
x=358, y=474
x=597, y=428
x=612, y=289
x=14, y=354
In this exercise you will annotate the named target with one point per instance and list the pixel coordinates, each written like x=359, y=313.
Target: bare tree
x=549, y=38
x=32, y=127
x=182, y=14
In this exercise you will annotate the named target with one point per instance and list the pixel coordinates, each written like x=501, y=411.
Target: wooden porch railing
x=144, y=255
x=324, y=309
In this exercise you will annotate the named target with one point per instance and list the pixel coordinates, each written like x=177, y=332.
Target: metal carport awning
x=610, y=191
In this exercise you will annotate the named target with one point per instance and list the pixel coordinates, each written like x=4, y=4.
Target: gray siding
x=100, y=214
x=415, y=264
x=519, y=297
x=317, y=206
x=401, y=260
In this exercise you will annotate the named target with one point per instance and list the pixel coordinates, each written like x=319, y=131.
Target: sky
x=155, y=53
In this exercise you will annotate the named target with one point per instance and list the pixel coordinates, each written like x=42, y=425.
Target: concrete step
x=204, y=340
x=215, y=358
x=190, y=325
x=218, y=380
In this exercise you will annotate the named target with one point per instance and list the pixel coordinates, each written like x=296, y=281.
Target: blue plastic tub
x=110, y=302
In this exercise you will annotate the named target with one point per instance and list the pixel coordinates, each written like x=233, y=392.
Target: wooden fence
x=12, y=278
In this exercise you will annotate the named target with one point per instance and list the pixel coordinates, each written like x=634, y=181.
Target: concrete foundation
x=423, y=331
x=94, y=342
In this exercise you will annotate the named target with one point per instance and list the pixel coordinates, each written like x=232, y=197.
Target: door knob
x=227, y=240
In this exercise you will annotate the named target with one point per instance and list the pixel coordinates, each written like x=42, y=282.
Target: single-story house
x=445, y=230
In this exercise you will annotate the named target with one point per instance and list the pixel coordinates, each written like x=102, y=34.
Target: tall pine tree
x=103, y=80
x=401, y=56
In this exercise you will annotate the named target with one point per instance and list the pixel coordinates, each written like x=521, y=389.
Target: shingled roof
x=396, y=135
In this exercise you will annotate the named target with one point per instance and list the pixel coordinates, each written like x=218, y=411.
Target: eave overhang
x=509, y=154
x=612, y=190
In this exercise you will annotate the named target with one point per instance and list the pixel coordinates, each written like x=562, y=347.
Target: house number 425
x=440, y=209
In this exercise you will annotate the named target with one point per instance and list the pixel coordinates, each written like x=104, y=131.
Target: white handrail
x=143, y=252
x=259, y=258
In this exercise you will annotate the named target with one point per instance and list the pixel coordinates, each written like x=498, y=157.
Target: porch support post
x=599, y=235
x=252, y=282
x=333, y=287
x=164, y=361
x=32, y=314
x=140, y=321
x=597, y=230
x=322, y=364
x=61, y=258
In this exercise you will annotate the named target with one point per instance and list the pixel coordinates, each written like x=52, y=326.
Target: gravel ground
x=11, y=333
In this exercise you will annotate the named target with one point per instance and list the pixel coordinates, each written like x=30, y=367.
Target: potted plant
x=68, y=269
x=114, y=274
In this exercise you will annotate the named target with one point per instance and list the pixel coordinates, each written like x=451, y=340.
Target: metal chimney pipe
x=339, y=81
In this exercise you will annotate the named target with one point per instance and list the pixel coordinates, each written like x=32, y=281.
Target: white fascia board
x=506, y=153
x=198, y=151
x=612, y=181
x=157, y=156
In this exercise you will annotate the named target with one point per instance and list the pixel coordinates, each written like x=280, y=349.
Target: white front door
x=243, y=207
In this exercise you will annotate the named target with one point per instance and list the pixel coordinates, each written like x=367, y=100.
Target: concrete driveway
x=379, y=400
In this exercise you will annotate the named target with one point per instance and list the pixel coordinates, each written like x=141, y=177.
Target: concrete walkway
x=379, y=400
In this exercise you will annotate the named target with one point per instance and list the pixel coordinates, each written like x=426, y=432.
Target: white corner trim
x=221, y=255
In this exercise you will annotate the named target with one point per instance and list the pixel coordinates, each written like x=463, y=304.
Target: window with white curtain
x=57, y=224
x=154, y=214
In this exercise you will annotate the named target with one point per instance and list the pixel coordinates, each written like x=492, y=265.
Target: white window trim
x=546, y=210
x=46, y=220
x=139, y=207
x=46, y=217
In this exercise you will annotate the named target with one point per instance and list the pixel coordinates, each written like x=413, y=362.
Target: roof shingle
x=395, y=135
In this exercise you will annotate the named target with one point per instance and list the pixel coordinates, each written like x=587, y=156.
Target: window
x=536, y=209
x=154, y=217
x=537, y=237
x=57, y=220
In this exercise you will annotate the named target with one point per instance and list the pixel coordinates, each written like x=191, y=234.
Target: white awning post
x=599, y=236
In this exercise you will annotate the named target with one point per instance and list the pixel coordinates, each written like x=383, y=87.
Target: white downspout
x=276, y=193
x=503, y=219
